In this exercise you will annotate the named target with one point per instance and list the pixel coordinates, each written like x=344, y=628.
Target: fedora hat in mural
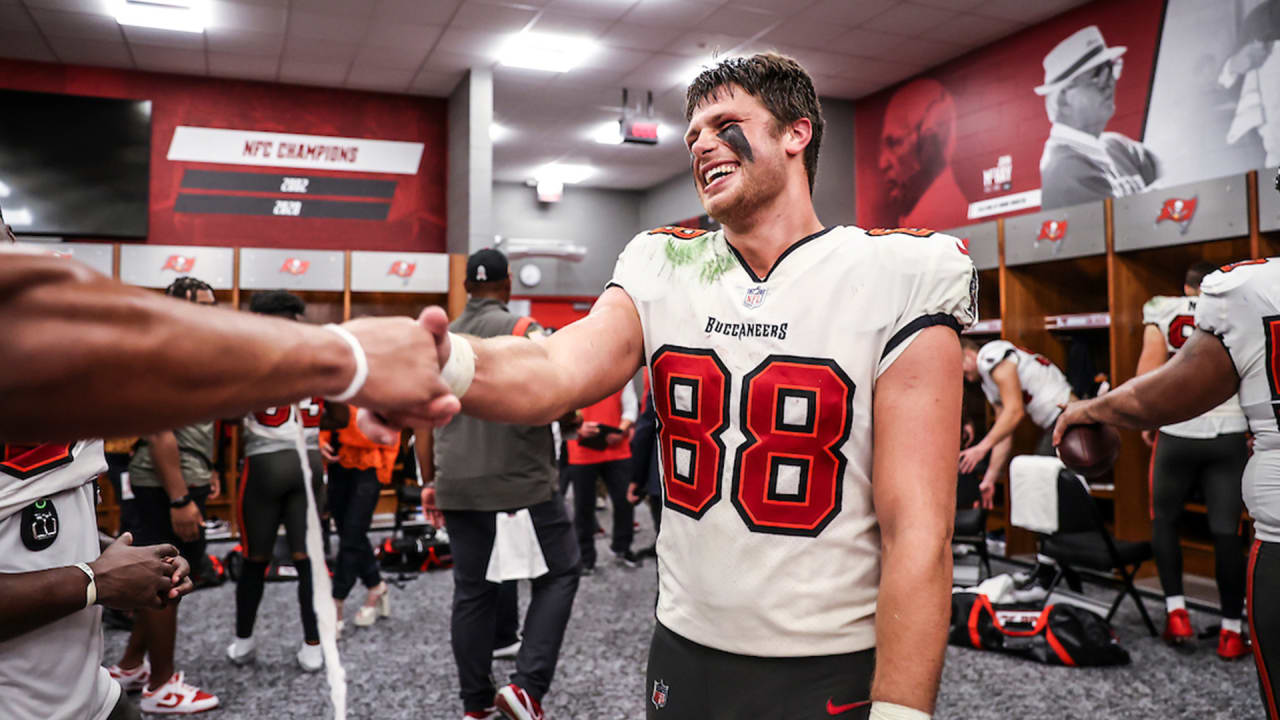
x=1081, y=52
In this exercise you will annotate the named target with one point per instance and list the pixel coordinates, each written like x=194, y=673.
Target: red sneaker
x=1177, y=627
x=177, y=697
x=513, y=702
x=1232, y=645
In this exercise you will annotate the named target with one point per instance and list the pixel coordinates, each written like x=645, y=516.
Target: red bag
x=1053, y=635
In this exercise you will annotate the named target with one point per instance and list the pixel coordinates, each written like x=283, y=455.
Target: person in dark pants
x=646, y=479
x=358, y=470
x=602, y=450
x=483, y=468
x=171, y=475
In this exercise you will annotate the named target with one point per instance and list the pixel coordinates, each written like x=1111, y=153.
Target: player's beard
x=756, y=184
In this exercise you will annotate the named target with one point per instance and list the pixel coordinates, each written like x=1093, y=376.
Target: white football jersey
x=1175, y=318
x=276, y=428
x=1241, y=305
x=1044, y=387
x=763, y=388
x=56, y=670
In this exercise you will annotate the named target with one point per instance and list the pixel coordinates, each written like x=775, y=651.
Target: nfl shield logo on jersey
x=659, y=694
x=755, y=297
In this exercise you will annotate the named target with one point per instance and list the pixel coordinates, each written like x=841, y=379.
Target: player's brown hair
x=1197, y=271
x=970, y=344
x=778, y=82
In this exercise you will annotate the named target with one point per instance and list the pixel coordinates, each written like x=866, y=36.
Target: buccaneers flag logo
x=1052, y=230
x=402, y=268
x=294, y=266
x=1178, y=210
x=179, y=263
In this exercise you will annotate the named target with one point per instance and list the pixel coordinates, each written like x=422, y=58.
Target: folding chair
x=1055, y=503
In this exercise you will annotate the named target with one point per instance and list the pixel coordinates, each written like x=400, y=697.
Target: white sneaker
x=241, y=651
x=131, y=680
x=176, y=697
x=381, y=607
x=508, y=651
x=310, y=657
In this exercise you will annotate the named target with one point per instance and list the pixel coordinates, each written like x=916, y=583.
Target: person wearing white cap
x=1081, y=163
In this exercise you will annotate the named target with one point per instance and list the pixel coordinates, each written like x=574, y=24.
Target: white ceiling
x=422, y=47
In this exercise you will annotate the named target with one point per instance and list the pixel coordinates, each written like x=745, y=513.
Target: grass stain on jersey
x=699, y=249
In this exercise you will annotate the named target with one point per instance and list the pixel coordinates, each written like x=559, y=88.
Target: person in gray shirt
x=483, y=468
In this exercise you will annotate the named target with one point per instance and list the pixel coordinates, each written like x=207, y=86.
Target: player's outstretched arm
x=535, y=382
x=85, y=356
x=1008, y=415
x=914, y=486
x=1199, y=378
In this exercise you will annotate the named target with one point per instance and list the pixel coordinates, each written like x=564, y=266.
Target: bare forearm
x=1199, y=378
x=165, y=455
x=1006, y=422
x=142, y=362
x=912, y=617
x=1000, y=453
x=33, y=599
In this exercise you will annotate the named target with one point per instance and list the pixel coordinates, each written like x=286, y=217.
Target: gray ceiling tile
x=15, y=21
x=71, y=24
x=669, y=13
x=91, y=52
x=742, y=22
x=371, y=76
x=448, y=62
x=402, y=58
x=849, y=13
x=873, y=43
x=637, y=37
x=558, y=23
x=242, y=16
x=313, y=73
x=976, y=30
x=163, y=38
x=404, y=35
x=26, y=47
x=492, y=18
x=167, y=59
x=702, y=44
x=436, y=84
x=253, y=66
x=312, y=51
x=476, y=43
x=342, y=8
x=804, y=32
x=952, y=4
x=910, y=19
x=601, y=9
x=95, y=7
x=244, y=42
x=316, y=26
x=432, y=12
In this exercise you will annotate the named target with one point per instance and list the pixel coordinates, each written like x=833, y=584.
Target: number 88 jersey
x=1241, y=305
x=276, y=428
x=763, y=388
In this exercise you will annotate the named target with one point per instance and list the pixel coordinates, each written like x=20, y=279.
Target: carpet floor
x=402, y=667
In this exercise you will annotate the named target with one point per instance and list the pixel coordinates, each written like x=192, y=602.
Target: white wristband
x=458, y=372
x=90, y=592
x=362, y=363
x=881, y=710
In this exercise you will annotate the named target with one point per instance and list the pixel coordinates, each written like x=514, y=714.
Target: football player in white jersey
x=801, y=573
x=1235, y=348
x=1017, y=383
x=1209, y=451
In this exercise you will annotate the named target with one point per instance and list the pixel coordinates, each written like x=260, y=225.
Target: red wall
x=417, y=217
x=998, y=113
x=557, y=312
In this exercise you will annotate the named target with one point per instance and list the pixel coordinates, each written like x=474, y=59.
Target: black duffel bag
x=1059, y=634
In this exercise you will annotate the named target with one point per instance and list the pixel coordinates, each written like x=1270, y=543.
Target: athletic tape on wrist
x=890, y=711
x=90, y=592
x=460, y=369
x=362, y=363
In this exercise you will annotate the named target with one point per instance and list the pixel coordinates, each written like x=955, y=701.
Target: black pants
x=353, y=495
x=616, y=475
x=1264, y=623
x=478, y=603
x=153, y=524
x=688, y=681
x=1216, y=465
x=271, y=493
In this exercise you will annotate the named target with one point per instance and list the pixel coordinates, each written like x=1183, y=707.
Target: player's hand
x=614, y=438
x=1076, y=412
x=1149, y=437
x=179, y=579
x=186, y=521
x=988, y=489
x=405, y=357
x=130, y=577
x=970, y=457
x=588, y=429
x=430, y=511
x=326, y=452
x=215, y=485
x=634, y=496
x=966, y=434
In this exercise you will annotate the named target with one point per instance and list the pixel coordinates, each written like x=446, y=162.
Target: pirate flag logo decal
x=1178, y=210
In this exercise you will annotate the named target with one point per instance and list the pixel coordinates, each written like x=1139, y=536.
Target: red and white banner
x=270, y=149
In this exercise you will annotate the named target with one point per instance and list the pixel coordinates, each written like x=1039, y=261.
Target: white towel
x=998, y=589
x=1033, y=492
x=516, y=555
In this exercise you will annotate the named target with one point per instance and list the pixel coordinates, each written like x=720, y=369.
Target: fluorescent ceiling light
x=498, y=133
x=568, y=174
x=4, y=190
x=178, y=15
x=609, y=133
x=20, y=217
x=552, y=53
